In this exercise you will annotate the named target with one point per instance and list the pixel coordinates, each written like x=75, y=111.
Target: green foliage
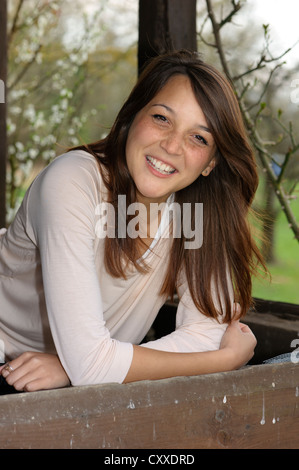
x=284, y=268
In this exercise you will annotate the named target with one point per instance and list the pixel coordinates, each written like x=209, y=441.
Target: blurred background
x=72, y=63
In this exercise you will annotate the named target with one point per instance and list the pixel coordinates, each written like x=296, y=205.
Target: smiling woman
x=74, y=305
x=169, y=145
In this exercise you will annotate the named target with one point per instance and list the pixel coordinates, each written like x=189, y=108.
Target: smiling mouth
x=163, y=168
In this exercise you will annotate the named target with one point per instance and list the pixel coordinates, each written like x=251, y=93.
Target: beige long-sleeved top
x=57, y=297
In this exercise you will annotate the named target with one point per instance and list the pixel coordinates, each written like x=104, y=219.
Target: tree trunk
x=269, y=223
x=3, y=137
x=165, y=25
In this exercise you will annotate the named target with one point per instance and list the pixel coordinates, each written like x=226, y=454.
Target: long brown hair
x=228, y=250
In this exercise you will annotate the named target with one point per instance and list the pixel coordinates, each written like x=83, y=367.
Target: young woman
x=82, y=276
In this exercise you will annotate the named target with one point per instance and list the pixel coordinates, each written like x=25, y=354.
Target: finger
x=12, y=366
x=17, y=368
x=6, y=368
x=24, y=383
x=21, y=360
x=245, y=328
x=236, y=311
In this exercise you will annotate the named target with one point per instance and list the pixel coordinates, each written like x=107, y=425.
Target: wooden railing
x=254, y=407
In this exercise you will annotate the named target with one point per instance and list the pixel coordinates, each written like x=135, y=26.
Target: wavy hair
x=228, y=250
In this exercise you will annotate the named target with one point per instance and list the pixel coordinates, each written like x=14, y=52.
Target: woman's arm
x=37, y=371
x=61, y=221
x=236, y=349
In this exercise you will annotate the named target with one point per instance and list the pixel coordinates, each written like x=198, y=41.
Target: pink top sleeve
x=194, y=331
x=61, y=221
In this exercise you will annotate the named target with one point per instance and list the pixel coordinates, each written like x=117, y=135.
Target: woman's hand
x=239, y=342
x=34, y=371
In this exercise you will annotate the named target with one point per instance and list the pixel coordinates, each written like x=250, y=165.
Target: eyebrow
x=204, y=128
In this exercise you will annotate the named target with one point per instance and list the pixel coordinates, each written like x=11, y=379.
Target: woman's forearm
x=236, y=349
x=150, y=364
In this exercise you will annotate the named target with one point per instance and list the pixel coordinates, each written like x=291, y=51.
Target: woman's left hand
x=33, y=371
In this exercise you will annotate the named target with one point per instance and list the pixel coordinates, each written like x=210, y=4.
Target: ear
x=210, y=167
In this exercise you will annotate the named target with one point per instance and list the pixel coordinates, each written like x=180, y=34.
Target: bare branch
x=258, y=143
x=25, y=68
x=200, y=34
x=229, y=17
x=216, y=32
x=277, y=66
x=14, y=26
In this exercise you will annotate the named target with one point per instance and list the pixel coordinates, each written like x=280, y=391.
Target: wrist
x=229, y=359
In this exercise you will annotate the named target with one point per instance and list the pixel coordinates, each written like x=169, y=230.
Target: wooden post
x=3, y=137
x=165, y=25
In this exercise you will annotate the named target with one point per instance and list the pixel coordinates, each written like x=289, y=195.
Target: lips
x=160, y=166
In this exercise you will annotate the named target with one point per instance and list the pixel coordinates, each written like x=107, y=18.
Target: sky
x=282, y=15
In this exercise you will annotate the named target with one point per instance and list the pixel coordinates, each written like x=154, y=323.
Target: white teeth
x=158, y=165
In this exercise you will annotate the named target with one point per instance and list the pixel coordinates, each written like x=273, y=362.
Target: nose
x=172, y=143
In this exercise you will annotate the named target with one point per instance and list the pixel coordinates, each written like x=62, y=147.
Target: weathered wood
x=255, y=407
x=282, y=309
x=3, y=138
x=165, y=25
x=274, y=335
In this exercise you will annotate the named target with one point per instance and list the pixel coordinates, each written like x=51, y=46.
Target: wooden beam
x=165, y=25
x=255, y=407
x=3, y=137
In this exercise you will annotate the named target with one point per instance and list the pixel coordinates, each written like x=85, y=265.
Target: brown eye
x=201, y=139
x=159, y=117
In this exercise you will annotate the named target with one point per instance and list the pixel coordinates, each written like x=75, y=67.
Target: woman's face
x=169, y=144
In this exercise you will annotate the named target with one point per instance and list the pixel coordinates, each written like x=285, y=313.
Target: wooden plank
x=255, y=407
x=275, y=335
x=282, y=309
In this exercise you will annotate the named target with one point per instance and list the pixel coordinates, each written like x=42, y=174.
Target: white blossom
x=32, y=153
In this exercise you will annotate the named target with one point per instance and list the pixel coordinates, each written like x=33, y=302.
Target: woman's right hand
x=239, y=342
x=32, y=371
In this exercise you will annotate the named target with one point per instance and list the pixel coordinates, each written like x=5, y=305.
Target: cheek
x=136, y=141
x=142, y=133
x=197, y=163
x=137, y=131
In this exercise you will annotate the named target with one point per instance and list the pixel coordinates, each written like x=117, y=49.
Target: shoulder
x=72, y=180
x=73, y=163
x=76, y=169
x=64, y=194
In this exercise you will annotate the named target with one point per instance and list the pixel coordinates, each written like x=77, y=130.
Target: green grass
x=284, y=286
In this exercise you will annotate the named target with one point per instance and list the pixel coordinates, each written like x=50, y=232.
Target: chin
x=153, y=195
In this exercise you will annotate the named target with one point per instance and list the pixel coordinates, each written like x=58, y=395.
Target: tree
x=254, y=112
x=3, y=139
x=63, y=84
x=165, y=25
